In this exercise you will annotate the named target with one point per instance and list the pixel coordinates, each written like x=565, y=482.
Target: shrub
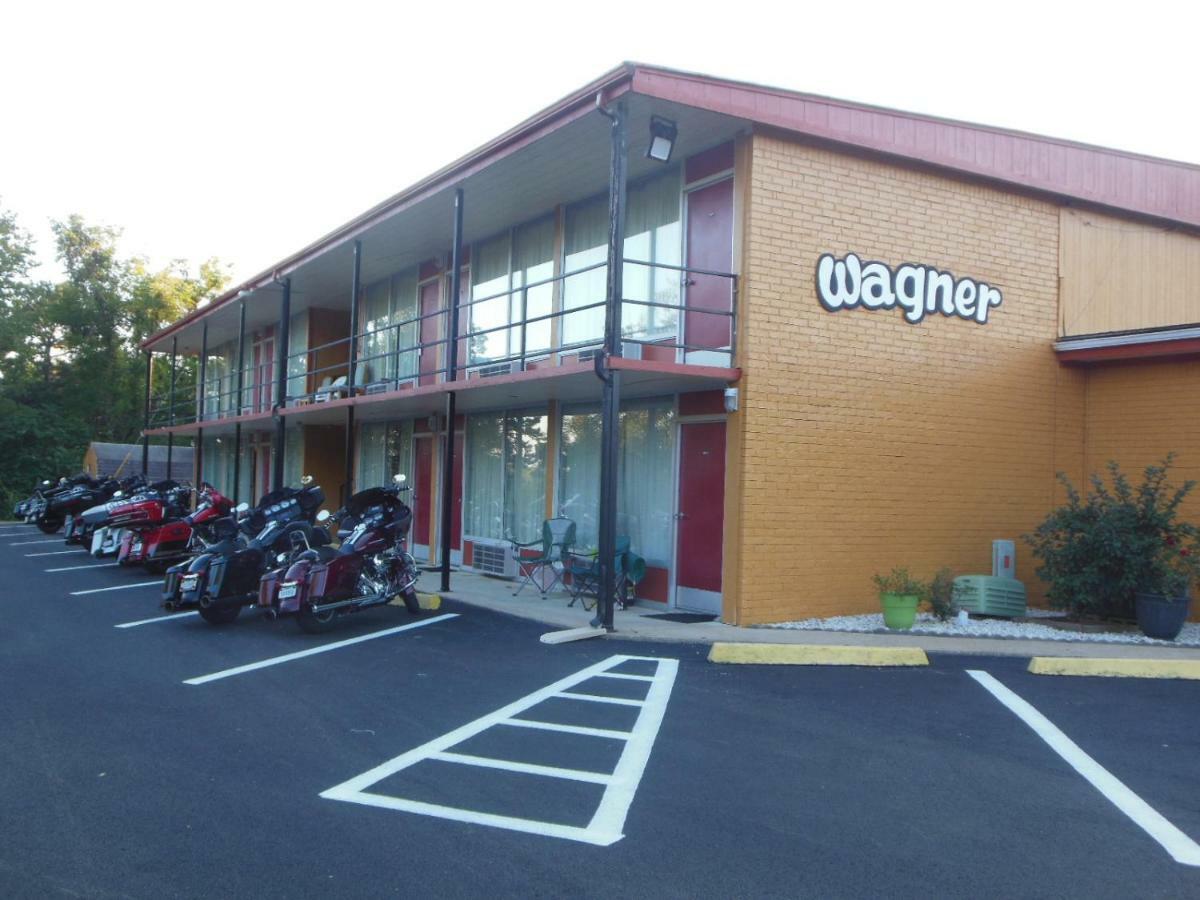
x=898, y=581
x=941, y=595
x=1096, y=552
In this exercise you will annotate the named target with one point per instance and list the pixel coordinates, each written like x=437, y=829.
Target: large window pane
x=506, y=477
x=483, y=501
x=297, y=365
x=489, y=278
x=293, y=456
x=404, y=313
x=645, y=489
x=384, y=450
x=375, y=349
x=586, y=244
x=653, y=234
x=533, y=262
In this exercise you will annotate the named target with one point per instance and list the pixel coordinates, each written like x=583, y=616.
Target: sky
x=246, y=130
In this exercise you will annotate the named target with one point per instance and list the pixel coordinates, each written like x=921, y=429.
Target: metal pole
x=355, y=287
x=610, y=422
x=146, y=417
x=237, y=429
x=171, y=406
x=285, y=322
x=349, y=454
x=451, y=375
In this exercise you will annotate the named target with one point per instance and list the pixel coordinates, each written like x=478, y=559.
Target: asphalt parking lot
x=452, y=754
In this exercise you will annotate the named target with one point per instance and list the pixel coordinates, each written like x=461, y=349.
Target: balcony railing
x=500, y=333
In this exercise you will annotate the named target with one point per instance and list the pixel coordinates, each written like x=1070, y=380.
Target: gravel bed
x=926, y=623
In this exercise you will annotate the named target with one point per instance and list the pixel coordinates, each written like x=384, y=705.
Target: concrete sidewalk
x=634, y=624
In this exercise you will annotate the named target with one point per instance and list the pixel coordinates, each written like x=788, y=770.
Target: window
x=384, y=450
x=505, y=496
x=653, y=234
x=293, y=456
x=407, y=329
x=501, y=271
x=376, y=346
x=490, y=301
x=533, y=263
x=297, y=364
x=646, y=486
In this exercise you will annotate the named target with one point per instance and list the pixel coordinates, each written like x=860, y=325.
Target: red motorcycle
x=159, y=529
x=371, y=566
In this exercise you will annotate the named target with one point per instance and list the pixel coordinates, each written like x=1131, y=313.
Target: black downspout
x=355, y=288
x=285, y=323
x=146, y=417
x=237, y=401
x=610, y=421
x=171, y=406
x=451, y=375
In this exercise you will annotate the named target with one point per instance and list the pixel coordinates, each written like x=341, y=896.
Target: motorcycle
x=66, y=505
x=371, y=566
x=47, y=511
x=225, y=577
x=82, y=528
x=154, y=533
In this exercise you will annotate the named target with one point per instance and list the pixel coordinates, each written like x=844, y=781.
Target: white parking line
x=27, y=543
x=324, y=648
x=55, y=553
x=182, y=615
x=92, y=566
x=620, y=785
x=119, y=587
x=1182, y=848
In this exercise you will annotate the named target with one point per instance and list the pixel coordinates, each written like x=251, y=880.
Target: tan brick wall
x=866, y=442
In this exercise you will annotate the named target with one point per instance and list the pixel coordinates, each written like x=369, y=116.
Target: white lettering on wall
x=918, y=290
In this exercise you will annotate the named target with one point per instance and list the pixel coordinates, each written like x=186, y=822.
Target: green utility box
x=989, y=595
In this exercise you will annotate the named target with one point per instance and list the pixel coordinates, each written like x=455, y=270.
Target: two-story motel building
x=921, y=322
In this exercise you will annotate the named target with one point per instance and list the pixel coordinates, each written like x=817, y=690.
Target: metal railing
x=397, y=356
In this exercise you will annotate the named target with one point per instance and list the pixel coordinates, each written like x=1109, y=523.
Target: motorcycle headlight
x=281, y=558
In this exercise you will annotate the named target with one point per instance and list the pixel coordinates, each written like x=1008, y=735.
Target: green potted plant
x=899, y=594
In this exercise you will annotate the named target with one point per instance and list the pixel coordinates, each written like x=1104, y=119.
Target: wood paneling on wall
x=1120, y=275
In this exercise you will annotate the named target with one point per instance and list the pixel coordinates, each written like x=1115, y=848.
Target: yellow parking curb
x=1116, y=668
x=427, y=601
x=815, y=655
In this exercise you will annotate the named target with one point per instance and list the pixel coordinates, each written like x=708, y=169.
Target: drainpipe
x=451, y=375
x=610, y=423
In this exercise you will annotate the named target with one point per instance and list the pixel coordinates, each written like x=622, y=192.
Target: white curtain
x=384, y=450
x=533, y=262
x=645, y=489
x=525, y=476
x=483, y=498
x=297, y=364
x=404, y=309
x=586, y=244
x=217, y=470
x=293, y=456
x=653, y=234
x=375, y=349
x=489, y=278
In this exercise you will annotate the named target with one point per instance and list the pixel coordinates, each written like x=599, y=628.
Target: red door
x=422, y=491
x=709, y=246
x=701, y=516
x=431, y=331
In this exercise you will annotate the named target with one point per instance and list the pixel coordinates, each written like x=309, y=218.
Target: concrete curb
x=1116, y=668
x=427, y=601
x=815, y=655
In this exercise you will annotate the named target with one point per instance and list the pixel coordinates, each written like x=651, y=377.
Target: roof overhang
x=1157, y=343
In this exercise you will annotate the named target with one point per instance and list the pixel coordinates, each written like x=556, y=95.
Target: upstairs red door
x=701, y=516
x=709, y=247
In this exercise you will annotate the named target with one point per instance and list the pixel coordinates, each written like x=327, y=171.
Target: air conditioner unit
x=989, y=595
x=589, y=354
x=504, y=368
x=494, y=558
x=631, y=350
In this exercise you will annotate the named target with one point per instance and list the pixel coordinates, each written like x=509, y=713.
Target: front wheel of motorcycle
x=49, y=526
x=220, y=615
x=314, y=622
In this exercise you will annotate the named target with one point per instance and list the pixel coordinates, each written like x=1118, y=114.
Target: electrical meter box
x=1004, y=559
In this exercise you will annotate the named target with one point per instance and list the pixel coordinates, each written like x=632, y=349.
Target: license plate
x=189, y=582
x=287, y=591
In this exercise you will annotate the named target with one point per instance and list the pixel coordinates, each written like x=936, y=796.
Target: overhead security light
x=662, y=139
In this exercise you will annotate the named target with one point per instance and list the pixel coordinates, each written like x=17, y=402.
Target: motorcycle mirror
x=117, y=494
x=400, y=478
x=242, y=508
x=306, y=480
x=323, y=516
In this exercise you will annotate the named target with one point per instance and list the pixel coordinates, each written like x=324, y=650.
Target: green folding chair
x=558, y=537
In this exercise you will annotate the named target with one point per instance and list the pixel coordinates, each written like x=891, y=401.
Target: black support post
x=355, y=287
x=610, y=413
x=445, y=530
x=285, y=322
x=171, y=402
x=237, y=407
x=146, y=416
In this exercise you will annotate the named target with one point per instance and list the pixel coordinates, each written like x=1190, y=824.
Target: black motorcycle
x=60, y=500
x=225, y=576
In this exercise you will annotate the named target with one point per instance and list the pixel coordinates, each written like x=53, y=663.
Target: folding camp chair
x=585, y=574
x=558, y=537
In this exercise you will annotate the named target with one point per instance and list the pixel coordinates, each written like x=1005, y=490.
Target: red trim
x=710, y=162
x=702, y=403
x=668, y=368
x=1156, y=350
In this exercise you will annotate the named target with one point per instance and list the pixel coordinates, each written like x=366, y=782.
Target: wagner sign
x=920, y=290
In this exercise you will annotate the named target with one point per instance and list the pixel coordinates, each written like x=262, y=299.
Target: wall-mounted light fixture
x=662, y=139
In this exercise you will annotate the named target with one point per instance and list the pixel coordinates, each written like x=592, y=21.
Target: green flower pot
x=899, y=610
